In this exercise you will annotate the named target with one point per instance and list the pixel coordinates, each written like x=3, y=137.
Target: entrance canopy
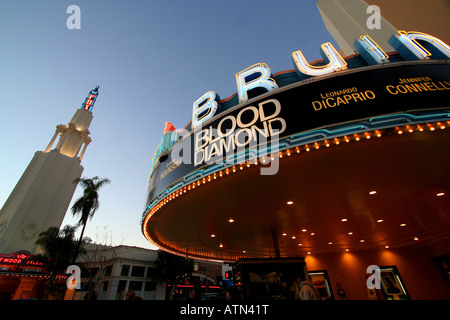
x=390, y=190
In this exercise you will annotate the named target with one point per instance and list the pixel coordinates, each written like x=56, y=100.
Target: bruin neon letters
x=204, y=108
x=334, y=62
x=263, y=80
x=410, y=45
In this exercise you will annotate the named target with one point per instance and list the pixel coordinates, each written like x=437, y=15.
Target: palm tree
x=87, y=204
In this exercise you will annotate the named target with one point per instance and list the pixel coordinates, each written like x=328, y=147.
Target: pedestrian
x=195, y=293
x=234, y=293
x=307, y=290
x=131, y=295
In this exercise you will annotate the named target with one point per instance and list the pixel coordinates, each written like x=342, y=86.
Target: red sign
x=89, y=101
x=19, y=258
x=169, y=127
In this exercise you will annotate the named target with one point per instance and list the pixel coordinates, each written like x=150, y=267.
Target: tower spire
x=88, y=103
x=74, y=136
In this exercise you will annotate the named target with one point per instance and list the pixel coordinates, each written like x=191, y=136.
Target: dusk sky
x=152, y=60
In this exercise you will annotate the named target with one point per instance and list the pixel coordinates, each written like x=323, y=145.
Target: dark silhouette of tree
x=87, y=204
x=171, y=269
x=58, y=248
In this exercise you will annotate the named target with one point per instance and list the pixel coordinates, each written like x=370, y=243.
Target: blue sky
x=152, y=60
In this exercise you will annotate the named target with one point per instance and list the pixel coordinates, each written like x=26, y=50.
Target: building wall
x=123, y=268
x=346, y=20
x=39, y=200
x=430, y=17
x=130, y=268
x=420, y=273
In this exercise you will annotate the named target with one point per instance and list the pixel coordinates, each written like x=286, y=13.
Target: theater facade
x=341, y=162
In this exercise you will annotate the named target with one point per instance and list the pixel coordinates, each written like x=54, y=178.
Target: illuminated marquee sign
x=305, y=107
x=334, y=62
x=410, y=45
x=223, y=136
x=15, y=258
x=238, y=131
x=370, y=50
x=20, y=261
x=245, y=82
x=88, y=104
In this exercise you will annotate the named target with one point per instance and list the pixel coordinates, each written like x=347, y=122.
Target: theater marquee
x=360, y=94
x=318, y=101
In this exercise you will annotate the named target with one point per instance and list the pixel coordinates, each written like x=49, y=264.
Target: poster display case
x=444, y=265
x=392, y=285
x=321, y=282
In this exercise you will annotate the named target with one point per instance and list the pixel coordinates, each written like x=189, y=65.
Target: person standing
x=307, y=290
x=195, y=294
x=131, y=295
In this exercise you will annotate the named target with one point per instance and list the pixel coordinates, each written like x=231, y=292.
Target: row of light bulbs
x=293, y=237
x=350, y=234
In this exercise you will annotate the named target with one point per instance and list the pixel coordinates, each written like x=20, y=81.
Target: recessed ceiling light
x=231, y=220
x=372, y=192
x=300, y=244
x=403, y=225
x=284, y=234
x=330, y=242
x=362, y=240
x=303, y=230
x=387, y=247
x=347, y=250
x=313, y=233
x=350, y=233
x=213, y=235
x=416, y=239
x=221, y=245
x=440, y=194
x=344, y=220
x=379, y=220
x=290, y=202
x=293, y=237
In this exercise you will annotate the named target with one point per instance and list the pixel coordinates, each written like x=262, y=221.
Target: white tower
x=41, y=197
x=346, y=20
